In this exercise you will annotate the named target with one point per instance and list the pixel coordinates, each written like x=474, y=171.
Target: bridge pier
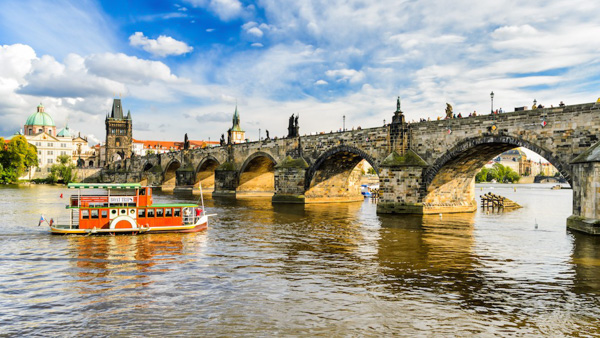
x=586, y=192
x=226, y=181
x=290, y=176
x=400, y=180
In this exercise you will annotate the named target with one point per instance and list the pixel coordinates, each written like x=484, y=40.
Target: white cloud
x=129, y=69
x=257, y=45
x=162, y=46
x=321, y=82
x=350, y=75
x=255, y=31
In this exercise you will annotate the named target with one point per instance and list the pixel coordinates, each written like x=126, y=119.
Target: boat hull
x=200, y=225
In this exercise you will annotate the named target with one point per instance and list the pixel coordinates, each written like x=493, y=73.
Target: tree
x=62, y=170
x=16, y=158
x=499, y=173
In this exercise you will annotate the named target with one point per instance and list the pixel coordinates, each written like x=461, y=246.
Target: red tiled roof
x=166, y=145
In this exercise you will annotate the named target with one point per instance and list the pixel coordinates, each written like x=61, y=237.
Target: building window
x=118, y=142
x=38, y=144
x=39, y=152
x=30, y=131
x=50, y=152
x=40, y=130
x=63, y=145
x=63, y=152
x=50, y=161
x=50, y=144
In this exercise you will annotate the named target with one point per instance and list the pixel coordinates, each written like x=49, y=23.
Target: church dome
x=40, y=118
x=65, y=132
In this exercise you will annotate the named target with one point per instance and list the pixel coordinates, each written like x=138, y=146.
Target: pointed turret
x=117, y=110
x=129, y=114
x=236, y=120
x=398, y=116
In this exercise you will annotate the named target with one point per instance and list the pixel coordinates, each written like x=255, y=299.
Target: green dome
x=40, y=119
x=65, y=132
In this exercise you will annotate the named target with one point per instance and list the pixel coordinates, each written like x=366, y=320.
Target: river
x=294, y=270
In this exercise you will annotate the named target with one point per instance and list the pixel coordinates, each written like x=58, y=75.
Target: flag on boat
x=42, y=219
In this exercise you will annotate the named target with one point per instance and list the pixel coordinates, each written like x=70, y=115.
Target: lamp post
x=344, y=124
x=259, y=134
x=492, y=97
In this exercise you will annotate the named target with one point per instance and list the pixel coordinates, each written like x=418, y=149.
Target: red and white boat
x=127, y=208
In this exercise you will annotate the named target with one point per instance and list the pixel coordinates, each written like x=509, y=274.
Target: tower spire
x=398, y=105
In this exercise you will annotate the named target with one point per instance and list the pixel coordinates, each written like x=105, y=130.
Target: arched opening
x=116, y=157
x=450, y=181
x=117, y=142
x=170, y=176
x=205, y=175
x=91, y=164
x=341, y=175
x=257, y=176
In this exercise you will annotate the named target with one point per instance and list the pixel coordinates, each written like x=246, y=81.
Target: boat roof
x=104, y=185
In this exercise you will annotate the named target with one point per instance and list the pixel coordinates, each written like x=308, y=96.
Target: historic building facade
x=118, y=134
x=40, y=131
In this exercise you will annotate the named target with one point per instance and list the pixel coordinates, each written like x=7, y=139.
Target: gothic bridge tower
x=118, y=134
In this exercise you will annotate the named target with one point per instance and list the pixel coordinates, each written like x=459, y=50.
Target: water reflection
x=586, y=260
x=129, y=261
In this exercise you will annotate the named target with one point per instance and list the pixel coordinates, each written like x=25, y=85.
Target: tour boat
x=127, y=209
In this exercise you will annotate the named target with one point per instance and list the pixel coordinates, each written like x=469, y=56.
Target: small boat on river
x=126, y=209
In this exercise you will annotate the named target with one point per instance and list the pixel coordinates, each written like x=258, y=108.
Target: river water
x=335, y=269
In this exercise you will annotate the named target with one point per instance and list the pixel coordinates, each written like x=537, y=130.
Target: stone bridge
x=426, y=167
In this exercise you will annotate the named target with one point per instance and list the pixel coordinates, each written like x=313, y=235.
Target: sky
x=182, y=66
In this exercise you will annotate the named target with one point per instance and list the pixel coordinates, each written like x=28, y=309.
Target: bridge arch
x=170, y=175
x=257, y=175
x=333, y=176
x=205, y=173
x=451, y=177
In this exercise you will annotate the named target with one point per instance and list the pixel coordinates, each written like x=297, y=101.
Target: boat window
x=142, y=192
x=94, y=213
x=159, y=212
x=123, y=212
x=168, y=212
x=104, y=214
x=85, y=214
x=177, y=212
x=113, y=212
x=141, y=212
x=150, y=212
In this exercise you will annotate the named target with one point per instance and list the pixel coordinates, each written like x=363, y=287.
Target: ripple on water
x=337, y=269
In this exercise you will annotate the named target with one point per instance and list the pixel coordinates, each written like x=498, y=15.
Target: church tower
x=237, y=134
x=118, y=134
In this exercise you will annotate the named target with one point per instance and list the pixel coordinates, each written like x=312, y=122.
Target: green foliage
x=371, y=171
x=499, y=173
x=16, y=158
x=63, y=170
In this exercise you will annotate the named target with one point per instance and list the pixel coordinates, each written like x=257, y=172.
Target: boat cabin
x=124, y=206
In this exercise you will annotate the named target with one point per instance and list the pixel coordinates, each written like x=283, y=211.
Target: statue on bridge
x=448, y=111
x=293, y=129
x=229, y=136
x=222, y=140
x=267, y=138
x=186, y=142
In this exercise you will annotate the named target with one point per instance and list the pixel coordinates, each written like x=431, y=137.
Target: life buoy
x=123, y=222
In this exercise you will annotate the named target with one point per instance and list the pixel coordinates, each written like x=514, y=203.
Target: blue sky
x=181, y=66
